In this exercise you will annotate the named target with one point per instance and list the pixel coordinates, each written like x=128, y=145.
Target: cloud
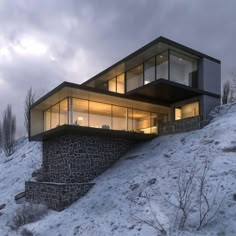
x=43, y=43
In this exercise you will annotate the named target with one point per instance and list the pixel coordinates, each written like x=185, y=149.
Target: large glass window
x=186, y=111
x=112, y=85
x=99, y=115
x=119, y=115
x=55, y=120
x=80, y=112
x=183, y=69
x=162, y=66
x=121, y=83
x=134, y=78
x=141, y=121
x=149, y=71
x=47, y=120
x=64, y=112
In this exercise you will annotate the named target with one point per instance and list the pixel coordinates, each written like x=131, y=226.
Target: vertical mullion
x=168, y=64
x=143, y=75
x=155, y=68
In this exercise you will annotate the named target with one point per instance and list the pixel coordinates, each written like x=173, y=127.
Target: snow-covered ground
x=111, y=206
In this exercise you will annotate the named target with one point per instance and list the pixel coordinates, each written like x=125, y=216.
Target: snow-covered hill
x=112, y=205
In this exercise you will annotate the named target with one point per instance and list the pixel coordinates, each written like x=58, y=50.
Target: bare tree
x=226, y=92
x=8, y=131
x=29, y=100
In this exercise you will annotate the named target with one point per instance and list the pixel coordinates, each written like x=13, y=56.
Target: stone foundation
x=79, y=159
x=182, y=125
x=55, y=196
x=69, y=163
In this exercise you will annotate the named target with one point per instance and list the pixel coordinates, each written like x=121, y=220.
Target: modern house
x=163, y=87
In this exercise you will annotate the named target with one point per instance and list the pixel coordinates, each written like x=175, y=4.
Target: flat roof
x=145, y=52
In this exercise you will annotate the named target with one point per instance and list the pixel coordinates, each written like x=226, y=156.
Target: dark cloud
x=81, y=38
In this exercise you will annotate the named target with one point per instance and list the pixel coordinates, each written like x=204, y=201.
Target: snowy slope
x=14, y=171
x=110, y=206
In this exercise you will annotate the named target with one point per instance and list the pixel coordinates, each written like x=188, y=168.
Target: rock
x=2, y=206
x=134, y=186
x=152, y=181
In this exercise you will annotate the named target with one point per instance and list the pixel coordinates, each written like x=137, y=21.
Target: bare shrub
x=155, y=223
x=193, y=187
x=8, y=131
x=226, y=92
x=194, y=197
x=29, y=100
x=27, y=213
x=209, y=205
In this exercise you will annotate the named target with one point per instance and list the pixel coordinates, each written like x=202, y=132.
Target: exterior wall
x=209, y=75
x=182, y=125
x=55, y=196
x=207, y=103
x=78, y=159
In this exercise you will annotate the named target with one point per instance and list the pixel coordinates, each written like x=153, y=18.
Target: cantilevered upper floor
x=162, y=81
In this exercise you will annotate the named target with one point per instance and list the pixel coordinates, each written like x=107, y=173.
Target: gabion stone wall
x=78, y=159
x=182, y=125
x=56, y=196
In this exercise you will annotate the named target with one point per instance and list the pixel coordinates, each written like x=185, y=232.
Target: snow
x=113, y=204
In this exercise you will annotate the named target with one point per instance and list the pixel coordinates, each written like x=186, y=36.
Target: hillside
x=112, y=205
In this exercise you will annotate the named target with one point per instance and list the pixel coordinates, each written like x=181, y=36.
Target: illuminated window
x=80, y=112
x=112, y=85
x=47, y=119
x=64, y=112
x=119, y=116
x=121, y=83
x=99, y=115
x=55, y=116
x=186, y=111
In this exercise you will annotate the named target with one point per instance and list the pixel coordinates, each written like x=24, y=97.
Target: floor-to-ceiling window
x=162, y=66
x=134, y=78
x=183, y=69
x=82, y=112
x=149, y=70
x=56, y=115
x=99, y=115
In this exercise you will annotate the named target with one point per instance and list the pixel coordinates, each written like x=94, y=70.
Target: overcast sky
x=46, y=42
